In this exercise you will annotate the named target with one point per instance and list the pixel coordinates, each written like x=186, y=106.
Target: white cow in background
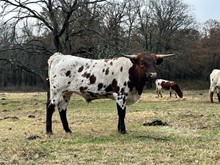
x=214, y=84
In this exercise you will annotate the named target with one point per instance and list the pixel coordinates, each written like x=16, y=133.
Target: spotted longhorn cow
x=214, y=84
x=121, y=79
x=172, y=86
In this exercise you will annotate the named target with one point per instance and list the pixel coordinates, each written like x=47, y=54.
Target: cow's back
x=215, y=77
x=89, y=78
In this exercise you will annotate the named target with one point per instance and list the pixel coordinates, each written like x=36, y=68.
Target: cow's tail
x=49, y=62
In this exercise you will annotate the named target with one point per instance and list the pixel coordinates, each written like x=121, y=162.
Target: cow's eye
x=141, y=63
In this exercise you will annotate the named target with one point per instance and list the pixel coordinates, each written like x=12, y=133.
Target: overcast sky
x=205, y=9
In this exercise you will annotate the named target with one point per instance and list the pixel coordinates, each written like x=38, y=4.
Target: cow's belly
x=89, y=96
x=91, y=92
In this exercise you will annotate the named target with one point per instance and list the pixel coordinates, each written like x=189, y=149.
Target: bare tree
x=130, y=21
x=146, y=25
x=34, y=29
x=35, y=24
x=170, y=16
x=54, y=15
x=160, y=20
x=113, y=14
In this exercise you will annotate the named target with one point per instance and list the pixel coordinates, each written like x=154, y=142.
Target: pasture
x=192, y=135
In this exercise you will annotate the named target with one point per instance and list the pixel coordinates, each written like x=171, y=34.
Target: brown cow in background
x=172, y=86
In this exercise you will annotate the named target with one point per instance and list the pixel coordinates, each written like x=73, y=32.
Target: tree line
x=31, y=31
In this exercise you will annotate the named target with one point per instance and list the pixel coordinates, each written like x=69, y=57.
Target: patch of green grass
x=192, y=135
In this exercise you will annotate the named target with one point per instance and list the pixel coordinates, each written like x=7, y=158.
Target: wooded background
x=32, y=30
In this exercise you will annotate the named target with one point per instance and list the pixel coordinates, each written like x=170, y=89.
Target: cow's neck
x=137, y=79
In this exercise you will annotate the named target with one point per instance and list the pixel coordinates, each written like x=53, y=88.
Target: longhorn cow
x=121, y=79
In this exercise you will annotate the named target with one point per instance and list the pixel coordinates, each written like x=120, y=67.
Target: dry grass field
x=192, y=135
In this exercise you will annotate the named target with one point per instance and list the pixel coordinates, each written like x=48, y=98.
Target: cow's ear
x=159, y=61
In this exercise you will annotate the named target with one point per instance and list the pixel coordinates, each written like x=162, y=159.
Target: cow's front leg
x=211, y=96
x=62, y=107
x=121, y=107
x=218, y=95
x=175, y=94
x=170, y=92
x=121, y=119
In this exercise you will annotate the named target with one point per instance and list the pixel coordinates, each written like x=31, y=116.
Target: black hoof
x=122, y=132
x=68, y=131
x=49, y=133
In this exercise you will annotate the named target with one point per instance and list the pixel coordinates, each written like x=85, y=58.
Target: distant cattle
x=172, y=86
x=121, y=79
x=214, y=84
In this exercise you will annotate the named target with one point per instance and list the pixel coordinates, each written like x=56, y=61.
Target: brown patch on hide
x=166, y=85
x=107, y=71
x=87, y=75
x=109, y=88
x=80, y=69
x=82, y=89
x=92, y=79
x=68, y=73
x=172, y=85
x=115, y=86
x=100, y=85
x=121, y=69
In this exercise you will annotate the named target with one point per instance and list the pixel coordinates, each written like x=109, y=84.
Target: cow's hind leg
x=159, y=93
x=218, y=93
x=49, y=113
x=64, y=121
x=62, y=107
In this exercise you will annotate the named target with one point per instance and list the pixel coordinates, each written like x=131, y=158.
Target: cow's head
x=146, y=63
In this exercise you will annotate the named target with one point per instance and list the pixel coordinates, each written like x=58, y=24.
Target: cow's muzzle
x=152, y=75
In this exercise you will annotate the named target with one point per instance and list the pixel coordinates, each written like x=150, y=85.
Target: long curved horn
x=132, y=56
x=164, y=55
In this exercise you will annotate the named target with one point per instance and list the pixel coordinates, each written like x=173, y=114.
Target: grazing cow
x=121, y=79
x=214, y=84
x=172, y=86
